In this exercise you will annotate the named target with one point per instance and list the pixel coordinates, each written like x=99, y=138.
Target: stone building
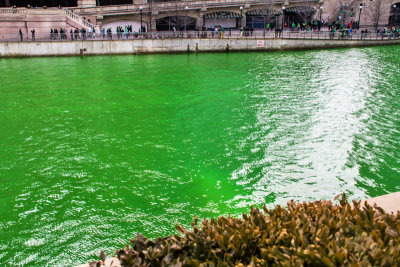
x=165, y=15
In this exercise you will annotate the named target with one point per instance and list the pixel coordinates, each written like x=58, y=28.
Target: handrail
x=227, y=35
x=338, y=9
x=13, y=10
x=78, y=18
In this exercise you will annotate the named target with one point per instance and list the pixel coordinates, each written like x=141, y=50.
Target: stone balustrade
x=78, y=19
x=31, y=11
x=13, y=10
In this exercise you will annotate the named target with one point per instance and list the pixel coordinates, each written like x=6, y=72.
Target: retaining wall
x=152, y=46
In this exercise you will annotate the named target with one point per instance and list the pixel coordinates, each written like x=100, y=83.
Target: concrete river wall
x=173, y=45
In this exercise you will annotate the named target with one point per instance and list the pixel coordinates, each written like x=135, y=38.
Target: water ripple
x=121, y=145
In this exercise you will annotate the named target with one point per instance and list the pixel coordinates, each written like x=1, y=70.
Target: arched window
x=221, y=19
x=259, y=18
x=299, y=14
x=179, y=22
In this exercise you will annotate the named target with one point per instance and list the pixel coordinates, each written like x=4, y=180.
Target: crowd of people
x=127, y=31
x=122, y=32
x=335, y=30
x=76, y=34
x=314, y=25
x=56, y=34
x=389, y=32
x=303, y=26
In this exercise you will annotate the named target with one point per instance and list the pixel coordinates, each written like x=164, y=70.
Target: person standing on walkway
x=71, y=33
x=89, y=35
x=20, y=35
x=33, y=34
x=55, y=33
x=76, y=33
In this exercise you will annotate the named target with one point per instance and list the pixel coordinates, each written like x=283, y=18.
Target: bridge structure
x=187, y=15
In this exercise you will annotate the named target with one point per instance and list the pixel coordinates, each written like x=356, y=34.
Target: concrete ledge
x=155, y=46
x=390, y=203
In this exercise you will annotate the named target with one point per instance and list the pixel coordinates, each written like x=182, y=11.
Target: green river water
x=96, y=149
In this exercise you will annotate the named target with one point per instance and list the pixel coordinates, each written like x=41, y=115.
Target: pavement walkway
x=390, y=203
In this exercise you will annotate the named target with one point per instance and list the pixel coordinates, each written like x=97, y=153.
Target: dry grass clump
x=309, y=234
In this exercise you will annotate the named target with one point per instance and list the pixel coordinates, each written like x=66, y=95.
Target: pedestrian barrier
x=95, y=36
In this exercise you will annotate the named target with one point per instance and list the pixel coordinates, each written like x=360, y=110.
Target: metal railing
x=227, y=35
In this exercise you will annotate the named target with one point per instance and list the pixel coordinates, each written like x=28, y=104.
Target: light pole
x=359, y=17
x=283, y=16
x=320, y=13
x=187, y=10
x=141, y=21
x=241, y=13
x=394, y=20
x=344, y=14
x=320, y=18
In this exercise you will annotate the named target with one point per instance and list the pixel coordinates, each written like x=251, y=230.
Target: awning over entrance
x=300, y=10
x=263, y=12
x=221, y=14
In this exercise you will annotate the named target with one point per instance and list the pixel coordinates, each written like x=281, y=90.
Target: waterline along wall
x=150, y=46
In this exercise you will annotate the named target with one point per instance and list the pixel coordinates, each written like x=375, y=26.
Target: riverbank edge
x=390, y=203
x=175, y=46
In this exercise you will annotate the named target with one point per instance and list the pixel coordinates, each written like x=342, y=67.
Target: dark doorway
x=113, y=2
x=259, y=18
x=394, y=17
x=298, y=14
x=168, y=23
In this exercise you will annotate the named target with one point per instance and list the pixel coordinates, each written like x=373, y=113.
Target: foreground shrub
x=311, y=234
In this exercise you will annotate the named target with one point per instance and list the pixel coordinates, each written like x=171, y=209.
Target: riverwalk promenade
x=189, y=43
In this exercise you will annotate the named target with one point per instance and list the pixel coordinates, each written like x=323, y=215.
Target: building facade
x=165, y=15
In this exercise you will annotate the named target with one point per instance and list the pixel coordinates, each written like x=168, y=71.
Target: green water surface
x=96, y=149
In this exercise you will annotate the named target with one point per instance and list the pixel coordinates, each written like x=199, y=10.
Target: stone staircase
x=345, y=11
x=42, y=20
x=76, y=20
